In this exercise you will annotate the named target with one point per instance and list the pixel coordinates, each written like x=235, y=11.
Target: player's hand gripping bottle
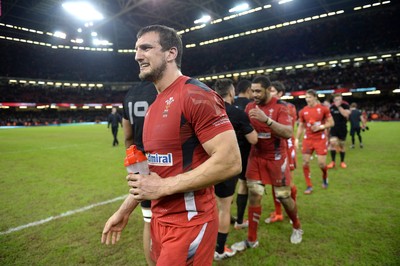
x=136, y=162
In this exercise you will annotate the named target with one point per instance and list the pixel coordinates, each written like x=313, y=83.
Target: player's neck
x=169, y=76
x=228, y=100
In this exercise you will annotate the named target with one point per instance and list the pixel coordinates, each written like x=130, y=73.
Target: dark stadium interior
x=361, y=33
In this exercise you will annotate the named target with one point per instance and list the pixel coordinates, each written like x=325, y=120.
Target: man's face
x=337, y=100
x=260, y=94
x=274, y=92
x=152, y=60
x=310, y=99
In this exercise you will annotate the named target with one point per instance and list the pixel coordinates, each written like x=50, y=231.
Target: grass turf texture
x=46, y=171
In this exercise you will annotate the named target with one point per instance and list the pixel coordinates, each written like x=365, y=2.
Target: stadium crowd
x=348, y=35
x=352, y=34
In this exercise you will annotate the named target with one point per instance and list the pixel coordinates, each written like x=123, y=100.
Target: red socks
x=306, y=171
x=254, y=214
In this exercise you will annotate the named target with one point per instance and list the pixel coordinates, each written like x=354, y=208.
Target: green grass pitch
x=48, y=171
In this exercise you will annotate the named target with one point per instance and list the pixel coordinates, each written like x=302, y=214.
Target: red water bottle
x=135, y=161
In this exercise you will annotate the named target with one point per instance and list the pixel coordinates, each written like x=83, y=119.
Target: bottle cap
x=134, y=155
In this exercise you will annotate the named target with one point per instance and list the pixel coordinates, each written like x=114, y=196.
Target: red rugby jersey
x=184, y=115
x=314, y=115
x=270, y=146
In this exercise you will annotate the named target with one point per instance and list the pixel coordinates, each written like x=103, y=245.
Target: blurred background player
x=114, y=119
x=268, y=162
x=224, y=191
x=278, y=90
x=314, y=119
x=244, y=94
x=241, y=100
x=340, y=111
x=355, y=119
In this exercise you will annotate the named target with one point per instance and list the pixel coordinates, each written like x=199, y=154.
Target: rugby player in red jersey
x=268, y=162
x=190, y=144
x=314, y=119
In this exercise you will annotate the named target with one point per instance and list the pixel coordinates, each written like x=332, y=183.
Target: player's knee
x=342, y=143
x=255, y=187
x=283, y=192
x=334, y=141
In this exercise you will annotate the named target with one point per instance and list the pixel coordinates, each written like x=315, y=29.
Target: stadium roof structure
x=123, y=18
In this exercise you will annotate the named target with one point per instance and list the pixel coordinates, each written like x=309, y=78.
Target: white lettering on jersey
x=262, y=135
x=160, y=159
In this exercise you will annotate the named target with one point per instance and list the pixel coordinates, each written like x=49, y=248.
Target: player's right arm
x=117, y=222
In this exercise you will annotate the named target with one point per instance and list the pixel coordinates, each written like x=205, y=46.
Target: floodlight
x=239, y=8
x=101, y=42
x=60, y=34
x=284, y=1
x=83, y=10
x=203, y=19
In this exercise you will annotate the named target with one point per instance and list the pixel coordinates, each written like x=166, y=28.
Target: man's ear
x=172, y=54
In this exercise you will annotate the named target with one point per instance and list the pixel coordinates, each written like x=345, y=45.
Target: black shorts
x=355, y=130
x=146, y=204
x=244, y=153
x=340, y=133
x=226, y=188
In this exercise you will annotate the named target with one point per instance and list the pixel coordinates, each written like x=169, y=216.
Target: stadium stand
x=357, y=34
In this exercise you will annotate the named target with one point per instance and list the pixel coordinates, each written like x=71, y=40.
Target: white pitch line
x=68, y=213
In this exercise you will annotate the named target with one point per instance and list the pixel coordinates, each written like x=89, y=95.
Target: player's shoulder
x=144, y=87
x=193, y=83
x=324, y=107
x=282, y=102
x=235, y=110
x=345, y=105
x=304, y=109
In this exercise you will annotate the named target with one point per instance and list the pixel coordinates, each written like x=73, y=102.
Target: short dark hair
x=278, y=86
x=243, y=86
x=353, y=105
x=263, y=80
x=168, y=38
x=222, y=87
x=312, y=92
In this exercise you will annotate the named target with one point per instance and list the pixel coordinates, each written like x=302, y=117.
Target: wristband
x=269, y=124
x=322, y=127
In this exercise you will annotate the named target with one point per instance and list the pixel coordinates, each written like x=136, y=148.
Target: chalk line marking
x=68, y=213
